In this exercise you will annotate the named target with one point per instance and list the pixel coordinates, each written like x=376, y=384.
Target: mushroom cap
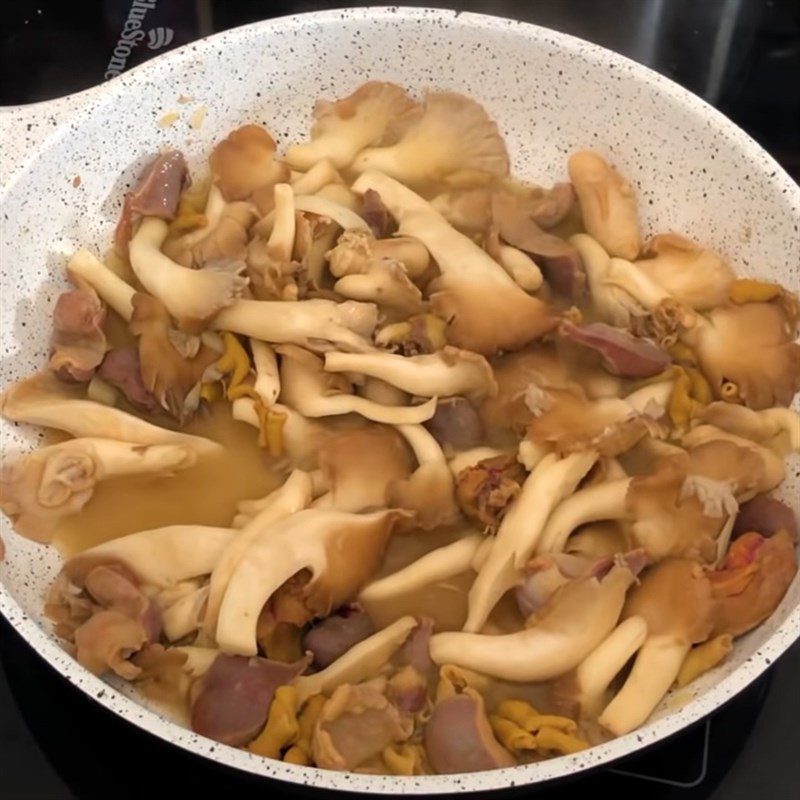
x=674, y=598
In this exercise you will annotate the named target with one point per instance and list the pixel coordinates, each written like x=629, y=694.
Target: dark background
x=742, y=56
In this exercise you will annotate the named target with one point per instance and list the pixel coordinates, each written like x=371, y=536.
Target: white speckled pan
x=695, y=172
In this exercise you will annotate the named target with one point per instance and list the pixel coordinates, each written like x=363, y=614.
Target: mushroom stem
x=160, y=556
x=521, y=267
x=410, y=252
x=575, y=621
x=41, y=400
x=426, y=449
x=294, y=495
x=448, y=372
x=195, y=294
x=628, y=276
x=344, y=324
x=552, y=480
x=281, y=241
x=530, y=454
x=600, y=502
x=315, y=204
x=652, y=393
x=321, y=174
x=595, y=673
x=361, y=661
x=108, y=285
x=268, y=382
x=437, y=565
x=654, y=671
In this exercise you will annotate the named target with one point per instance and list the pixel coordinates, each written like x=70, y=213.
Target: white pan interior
x=695, y=172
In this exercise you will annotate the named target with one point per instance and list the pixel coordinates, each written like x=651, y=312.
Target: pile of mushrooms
x=578, y=431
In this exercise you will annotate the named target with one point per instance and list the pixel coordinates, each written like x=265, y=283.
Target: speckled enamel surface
x=694, y=171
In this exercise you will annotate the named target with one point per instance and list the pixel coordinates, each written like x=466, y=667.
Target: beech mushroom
x=161, y=556
x=575, y=620
x=360, y=467
x=551, y=481
x=437, y=565
x=245, y=161
x=294, y=495
x=360, y=662
x=430, y=490
x=675, y=601
x=449, y=371
x=690, y=273
x=608, y=204
x=453, y=140
x=43, y=400
x=486, y=309
x=343, y=128
x=40, y=488
x=307, y=322
x=188, y=294
x=338, y=549
x=306, y=387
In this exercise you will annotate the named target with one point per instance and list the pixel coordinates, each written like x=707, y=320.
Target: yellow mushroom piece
x=453, y=680
x=684, y=403
x=529, y=719
x=747, y=290
x=558, y=741
x=282, y=728
x=188, y=218
x=300, y=751
x=511, y=735
x=270, y=428
x=235, y=363
x=703, y=658
x=210, y=391
x=404, y=758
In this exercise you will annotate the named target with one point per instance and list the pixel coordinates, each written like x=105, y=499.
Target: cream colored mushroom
x=575, y=621
x=188, y=294
x=40, y=488
x=486, y=309
x=551, y=480
x=449, y=371
x=306, y=387
x=338, y=549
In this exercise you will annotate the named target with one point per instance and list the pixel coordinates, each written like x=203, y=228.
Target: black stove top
x=741, y=55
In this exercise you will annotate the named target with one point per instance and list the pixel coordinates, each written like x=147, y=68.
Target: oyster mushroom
x=573, y=622
x=447, y=372
x=675, y=601
x=486, y=309
x=453, y=140
x=306, y=387
x=41, y=488
x=339, y=550
x=608, y=204
x=343, y=128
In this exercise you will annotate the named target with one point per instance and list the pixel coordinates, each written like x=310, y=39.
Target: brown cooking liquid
x=206, y=494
